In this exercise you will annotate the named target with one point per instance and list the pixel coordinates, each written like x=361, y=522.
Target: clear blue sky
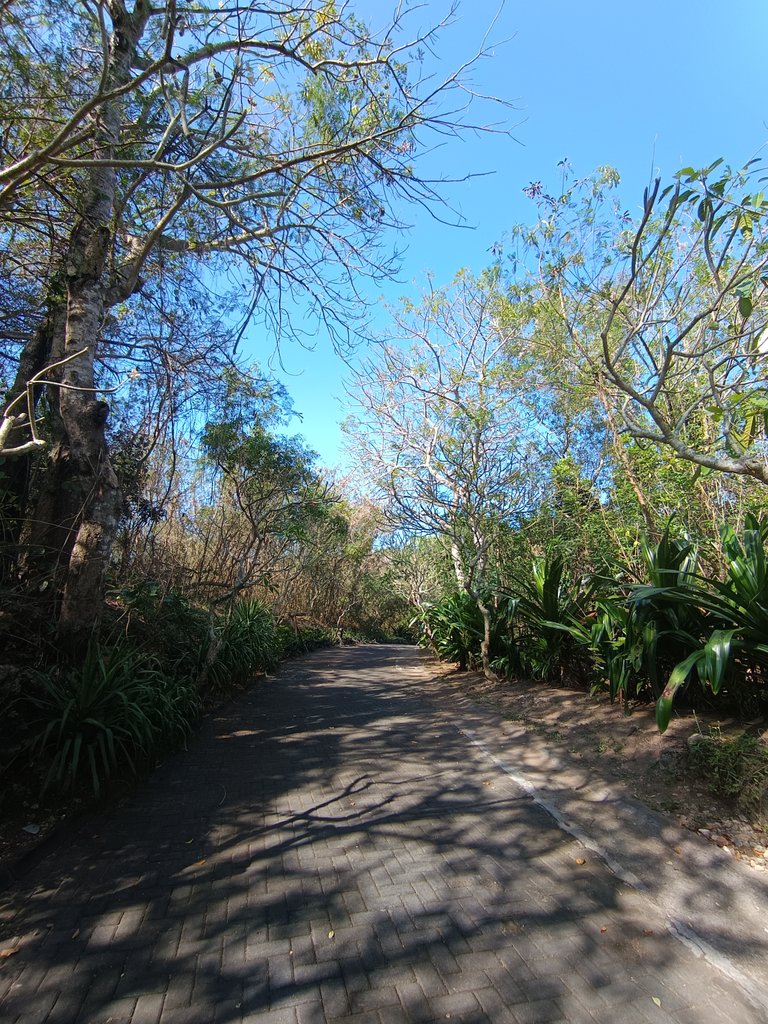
x=646, y=88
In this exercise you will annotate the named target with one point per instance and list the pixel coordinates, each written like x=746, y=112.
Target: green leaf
x=678, y=677
x=715, y=658
x=745, y=306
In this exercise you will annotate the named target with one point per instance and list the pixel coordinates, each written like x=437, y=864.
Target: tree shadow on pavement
x=332, y=848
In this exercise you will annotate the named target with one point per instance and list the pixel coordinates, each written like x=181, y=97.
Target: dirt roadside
x=617, y=745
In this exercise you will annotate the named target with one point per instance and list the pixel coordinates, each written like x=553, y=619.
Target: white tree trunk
x=89, y=496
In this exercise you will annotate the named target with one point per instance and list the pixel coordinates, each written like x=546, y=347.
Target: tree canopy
x=173, y=173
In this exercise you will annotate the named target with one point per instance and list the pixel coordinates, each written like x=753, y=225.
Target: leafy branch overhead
x=173, y=175
x=285, y=135
x=669, y=312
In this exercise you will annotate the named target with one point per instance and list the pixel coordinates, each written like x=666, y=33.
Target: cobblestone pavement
x=335, y=848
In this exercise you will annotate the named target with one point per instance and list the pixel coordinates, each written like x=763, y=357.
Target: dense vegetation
x=175, y=183
x=562, y=460
x=575, y=444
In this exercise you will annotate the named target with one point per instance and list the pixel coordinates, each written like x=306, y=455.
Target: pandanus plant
x=736, y=610
x=454, y=628
x=550, y=611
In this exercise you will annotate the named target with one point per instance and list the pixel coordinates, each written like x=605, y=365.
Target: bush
x=175, y=630
x=453, y=627
x=247, y=643
x=731, y=652
x=111, y=715
x=550, y=609
x=295, y=642
x=189, y=643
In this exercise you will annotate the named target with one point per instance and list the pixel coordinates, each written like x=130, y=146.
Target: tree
x=269, y=143
x=266, y=496
x=342, y=574
x=668, y=313
x=448, y=427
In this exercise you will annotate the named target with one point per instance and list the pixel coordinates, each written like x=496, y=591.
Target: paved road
x=337, y=847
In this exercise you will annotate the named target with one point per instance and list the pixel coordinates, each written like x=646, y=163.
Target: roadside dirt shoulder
x=612, y=744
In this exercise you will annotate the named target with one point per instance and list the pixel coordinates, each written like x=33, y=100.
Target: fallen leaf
x=580, y=860
x=4, y=953
x=603, y=931
x=656, y=1000
x=647, y=931
x=201, y=861
x=331, y=933
x=678, y=851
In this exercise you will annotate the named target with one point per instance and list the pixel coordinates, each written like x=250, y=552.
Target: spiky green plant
x=113, y=713
x=734, y=650
x=551, y=610
x=453, y=627
x=247, y=643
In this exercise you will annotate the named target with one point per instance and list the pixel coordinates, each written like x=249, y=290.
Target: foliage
x=657, y=632
x=736, y=611
x=665, y=313
x=153, y=208
x=642, y=638
x=295, y=642
x=736, y=768
x=206, y=649
x=549, y=606
x=445, y=422
x=246, y=643
x=113, y=714
x=167, y=623
x=454, y=628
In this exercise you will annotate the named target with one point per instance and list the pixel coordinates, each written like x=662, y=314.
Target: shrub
x=115, y=712
x=453, y=627
x=550, y=609
x=294, y=642
x=175, y=630
x=248, y=642
x=732, y=650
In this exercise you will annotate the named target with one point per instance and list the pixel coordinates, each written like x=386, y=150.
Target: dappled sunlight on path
x=335, y=847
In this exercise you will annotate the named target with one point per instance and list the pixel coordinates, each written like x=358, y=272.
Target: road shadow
x=330, y=847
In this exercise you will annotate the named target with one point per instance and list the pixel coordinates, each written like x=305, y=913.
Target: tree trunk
x=16, y=473
x=458, y=565
x=485, y=643
x=83, y=501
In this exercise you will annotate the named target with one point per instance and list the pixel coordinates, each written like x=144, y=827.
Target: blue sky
x=646, y=88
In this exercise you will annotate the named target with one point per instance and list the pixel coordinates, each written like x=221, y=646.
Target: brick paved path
x=333, y=848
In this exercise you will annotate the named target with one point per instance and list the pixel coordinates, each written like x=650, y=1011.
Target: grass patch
x=736, y=768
